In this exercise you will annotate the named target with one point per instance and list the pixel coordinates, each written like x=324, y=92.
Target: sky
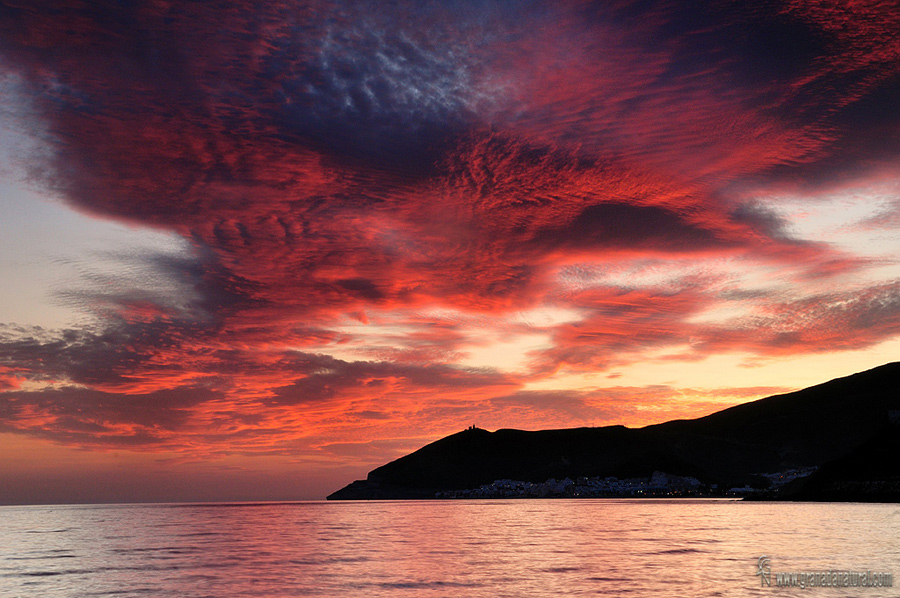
x=251, y=251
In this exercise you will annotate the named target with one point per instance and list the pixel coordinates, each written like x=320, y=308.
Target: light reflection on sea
x=440, y=548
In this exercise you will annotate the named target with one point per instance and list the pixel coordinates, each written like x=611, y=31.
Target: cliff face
x=800, y=429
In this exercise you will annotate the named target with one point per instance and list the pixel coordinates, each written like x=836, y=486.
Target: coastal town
x=659, y=485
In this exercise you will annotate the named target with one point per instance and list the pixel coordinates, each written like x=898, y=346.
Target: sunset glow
x=254, y=251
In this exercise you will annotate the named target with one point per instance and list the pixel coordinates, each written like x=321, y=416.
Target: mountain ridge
x=801, y=429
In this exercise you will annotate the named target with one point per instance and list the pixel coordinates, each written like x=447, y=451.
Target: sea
x=453, y=548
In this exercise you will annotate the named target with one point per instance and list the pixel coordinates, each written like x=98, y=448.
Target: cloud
x=87, y=417
x=640, y=406
x=370, y=193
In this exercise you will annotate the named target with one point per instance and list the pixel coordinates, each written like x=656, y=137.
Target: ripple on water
x=401, y=549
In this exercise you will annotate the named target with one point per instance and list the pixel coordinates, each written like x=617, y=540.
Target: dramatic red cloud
x=376, y=198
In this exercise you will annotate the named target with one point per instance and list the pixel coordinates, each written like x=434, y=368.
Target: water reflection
x=438, y=548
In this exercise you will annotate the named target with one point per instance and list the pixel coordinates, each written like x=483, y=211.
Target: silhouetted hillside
x=869, y=473
x=806, y=428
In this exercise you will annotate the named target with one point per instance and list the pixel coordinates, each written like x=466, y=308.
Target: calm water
x=510, y=548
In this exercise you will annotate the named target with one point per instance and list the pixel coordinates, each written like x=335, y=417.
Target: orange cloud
x=373, y=199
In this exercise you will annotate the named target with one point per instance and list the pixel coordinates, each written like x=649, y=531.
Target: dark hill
x=800, y=429
x=869, y=473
